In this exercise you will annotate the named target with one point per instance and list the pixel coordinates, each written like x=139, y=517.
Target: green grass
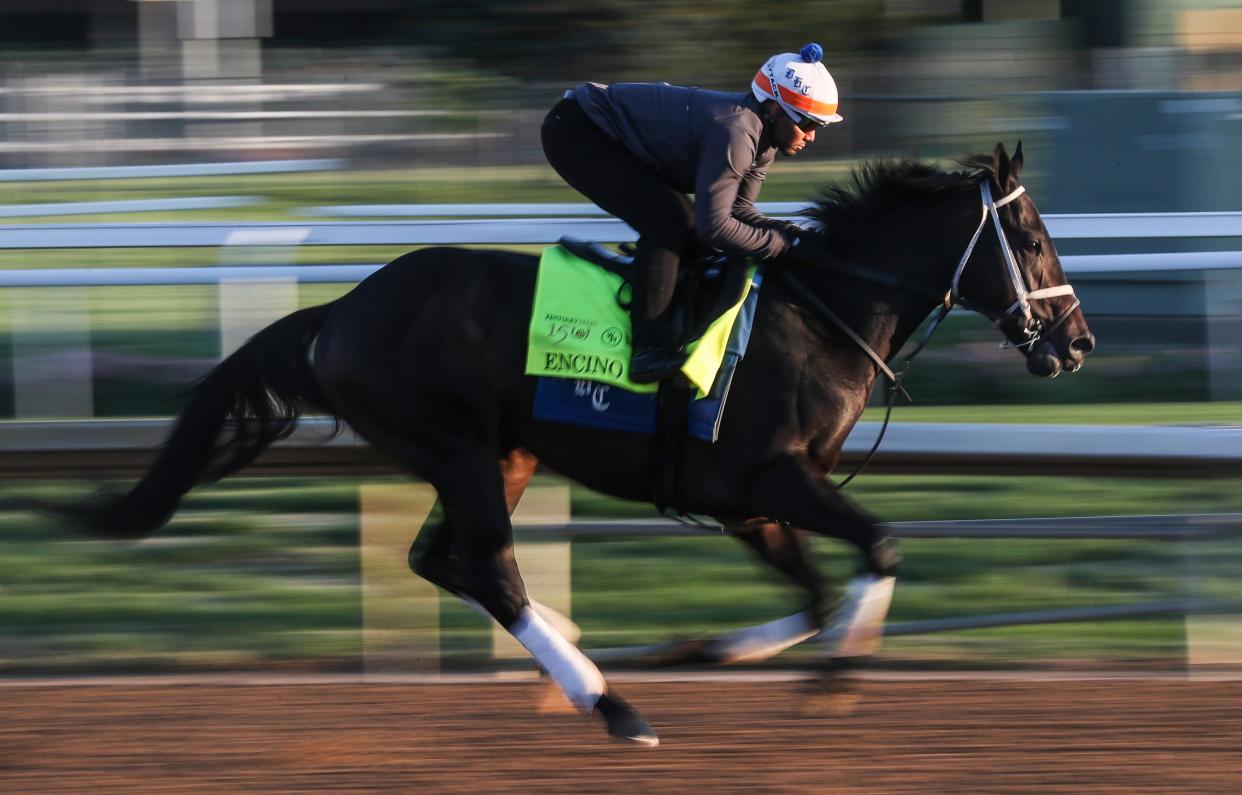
x=256, y=573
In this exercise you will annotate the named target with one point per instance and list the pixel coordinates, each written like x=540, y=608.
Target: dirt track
x=921, y=737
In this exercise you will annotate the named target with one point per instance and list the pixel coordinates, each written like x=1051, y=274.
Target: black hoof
x=624, y=722
x=834, y=691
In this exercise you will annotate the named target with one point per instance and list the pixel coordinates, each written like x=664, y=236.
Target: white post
x=52, y=367
x=400, y=610
x=1222, y=290
x=545, y=564
x=247, y=305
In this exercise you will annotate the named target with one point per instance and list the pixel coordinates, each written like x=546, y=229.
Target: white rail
x=179, y=170
x=103, y=447
x=1077, y=226
x=127, y=206
x=522, y=224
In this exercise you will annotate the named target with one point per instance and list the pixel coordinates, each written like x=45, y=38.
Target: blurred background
x=151, y=148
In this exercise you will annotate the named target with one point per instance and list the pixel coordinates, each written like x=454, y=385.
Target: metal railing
x=530, y=228
x=122, y=447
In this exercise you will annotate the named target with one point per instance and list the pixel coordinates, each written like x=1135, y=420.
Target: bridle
x=1032, y=328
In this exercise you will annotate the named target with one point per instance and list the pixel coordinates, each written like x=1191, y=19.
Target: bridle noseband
x=1032, y=327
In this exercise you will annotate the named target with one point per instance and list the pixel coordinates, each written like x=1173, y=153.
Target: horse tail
x=241, y=407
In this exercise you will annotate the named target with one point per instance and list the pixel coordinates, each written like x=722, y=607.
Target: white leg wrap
x=858, y=624
x=561, y=622
x=569, y=668
x=758, y=643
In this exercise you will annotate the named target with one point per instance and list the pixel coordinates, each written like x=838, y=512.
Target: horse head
x=1011, y=273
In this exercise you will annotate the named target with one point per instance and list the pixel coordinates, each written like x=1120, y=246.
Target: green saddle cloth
x=578, y=331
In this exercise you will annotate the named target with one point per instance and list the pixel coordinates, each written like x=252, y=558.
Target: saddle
x=706, y=286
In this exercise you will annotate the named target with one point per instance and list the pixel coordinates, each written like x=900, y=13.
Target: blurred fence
x=124, y=447
x=1191, y=301
x=398, y=633
x=544, y=224
x=1200, y=290
x=401, y=613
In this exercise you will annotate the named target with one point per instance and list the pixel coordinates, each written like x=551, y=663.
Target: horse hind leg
x=432, y=557
x=477, y=538
x=473, y=495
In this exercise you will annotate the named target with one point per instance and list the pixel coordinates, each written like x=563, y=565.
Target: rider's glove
x=808, y=248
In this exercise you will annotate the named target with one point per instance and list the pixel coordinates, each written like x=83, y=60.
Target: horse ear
x=1000, y=166
x=1015, y=162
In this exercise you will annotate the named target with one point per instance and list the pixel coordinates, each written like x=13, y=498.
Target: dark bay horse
x=425, y=360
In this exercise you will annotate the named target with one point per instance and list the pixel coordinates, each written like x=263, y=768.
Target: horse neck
x=919, y=248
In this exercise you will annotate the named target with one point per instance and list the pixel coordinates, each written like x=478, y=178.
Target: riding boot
x=656, y=355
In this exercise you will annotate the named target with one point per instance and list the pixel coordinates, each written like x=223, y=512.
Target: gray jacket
x=708, y=143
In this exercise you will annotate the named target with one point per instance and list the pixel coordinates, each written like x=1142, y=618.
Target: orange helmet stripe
x=806, y=104
x=793, y=99
x=764, y=82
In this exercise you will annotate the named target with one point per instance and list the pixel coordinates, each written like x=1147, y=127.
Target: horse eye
x=1035, y=245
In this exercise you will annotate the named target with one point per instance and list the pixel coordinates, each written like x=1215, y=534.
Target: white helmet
x=800, y=85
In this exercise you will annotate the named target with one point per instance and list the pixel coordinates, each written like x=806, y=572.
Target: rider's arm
x=744, y=208
x=726, y=176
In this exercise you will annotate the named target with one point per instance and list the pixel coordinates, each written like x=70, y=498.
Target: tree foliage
x=715, y=44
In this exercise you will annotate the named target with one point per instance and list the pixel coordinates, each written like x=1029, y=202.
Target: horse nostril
x=1083, y=345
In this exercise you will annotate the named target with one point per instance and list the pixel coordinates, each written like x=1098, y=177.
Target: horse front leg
x=791, y=490
x=784, y=549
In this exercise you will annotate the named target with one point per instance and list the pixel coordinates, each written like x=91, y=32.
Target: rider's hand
x=809, y=248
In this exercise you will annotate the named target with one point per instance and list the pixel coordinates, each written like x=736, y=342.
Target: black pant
x=611, y=176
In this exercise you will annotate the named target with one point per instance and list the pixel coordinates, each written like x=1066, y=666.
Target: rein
x=1021, y=308
x=894, y=377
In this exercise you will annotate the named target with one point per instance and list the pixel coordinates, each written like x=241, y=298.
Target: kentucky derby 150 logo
x=612, y=336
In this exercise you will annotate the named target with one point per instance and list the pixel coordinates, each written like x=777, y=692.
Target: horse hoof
x=832, y=693
x=624, y=722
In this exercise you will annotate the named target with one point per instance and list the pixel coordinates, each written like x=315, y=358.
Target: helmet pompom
x=812, y=53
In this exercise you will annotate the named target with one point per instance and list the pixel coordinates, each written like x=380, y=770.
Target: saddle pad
x=578, y=330
x=599, y=405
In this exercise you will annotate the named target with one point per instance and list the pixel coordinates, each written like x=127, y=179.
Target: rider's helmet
x=800, y=85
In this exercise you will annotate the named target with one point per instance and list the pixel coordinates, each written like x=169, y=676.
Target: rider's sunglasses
x=806, y=124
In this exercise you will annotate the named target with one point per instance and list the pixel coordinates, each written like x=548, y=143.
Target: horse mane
x=879, y=187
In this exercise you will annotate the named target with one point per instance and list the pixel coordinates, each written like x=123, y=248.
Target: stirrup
x=652, y=365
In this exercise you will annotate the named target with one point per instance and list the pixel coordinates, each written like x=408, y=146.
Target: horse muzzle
x=1047, y=361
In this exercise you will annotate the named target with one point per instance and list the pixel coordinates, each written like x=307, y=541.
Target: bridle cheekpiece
x=1032, y=326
